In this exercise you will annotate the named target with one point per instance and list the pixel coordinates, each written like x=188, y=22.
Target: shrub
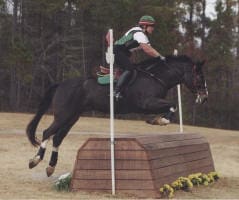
x=63, y=182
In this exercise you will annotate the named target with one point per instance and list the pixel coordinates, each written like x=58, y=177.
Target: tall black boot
x=120, y=83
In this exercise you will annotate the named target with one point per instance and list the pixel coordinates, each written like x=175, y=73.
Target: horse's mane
x=169, y=58
x=163, y=68
x=180, y=58
x=154, y=64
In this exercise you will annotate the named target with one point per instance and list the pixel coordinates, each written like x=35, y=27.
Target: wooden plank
x=179, y=159
x=142, y=193
x=167, y=138
x=119, y=164
x=178, y=168
x=161, y=153
x=155, y=146
x=119, y=145
x=106, y=184
x=119, y=174
x=132, y=194
x=119, y=154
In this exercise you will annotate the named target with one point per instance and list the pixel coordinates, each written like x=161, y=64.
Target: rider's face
x=150, y=29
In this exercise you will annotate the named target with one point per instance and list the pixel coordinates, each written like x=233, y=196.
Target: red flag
x=107, y=38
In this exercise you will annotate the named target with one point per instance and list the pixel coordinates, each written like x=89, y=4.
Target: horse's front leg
x=156, y=106
x=39, y=156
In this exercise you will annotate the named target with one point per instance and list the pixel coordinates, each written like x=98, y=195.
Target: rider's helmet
x=146, y=20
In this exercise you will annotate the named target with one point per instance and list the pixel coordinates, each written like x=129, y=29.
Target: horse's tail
x=43, y=107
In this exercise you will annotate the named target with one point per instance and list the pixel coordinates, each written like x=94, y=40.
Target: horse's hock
x=142, y=163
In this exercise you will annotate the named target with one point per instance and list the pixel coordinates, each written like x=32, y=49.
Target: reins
x=152, y=76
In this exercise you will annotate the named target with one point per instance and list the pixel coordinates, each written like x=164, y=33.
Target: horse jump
x=143, y=163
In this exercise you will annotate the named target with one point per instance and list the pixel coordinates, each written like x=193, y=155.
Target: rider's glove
x=162, y=58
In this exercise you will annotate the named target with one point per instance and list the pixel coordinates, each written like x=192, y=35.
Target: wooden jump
x=142, y=163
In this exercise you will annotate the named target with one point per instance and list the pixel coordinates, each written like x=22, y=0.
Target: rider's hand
x=162, y=58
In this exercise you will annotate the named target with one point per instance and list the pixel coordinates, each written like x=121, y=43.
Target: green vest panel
x=127, y=40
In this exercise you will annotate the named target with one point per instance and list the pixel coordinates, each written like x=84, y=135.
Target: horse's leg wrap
x=41, y=152
x=54, y=158
x=40, y=155
x=53, y=161
x=170, y=114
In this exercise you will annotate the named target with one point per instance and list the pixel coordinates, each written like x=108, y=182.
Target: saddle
x=103, y=75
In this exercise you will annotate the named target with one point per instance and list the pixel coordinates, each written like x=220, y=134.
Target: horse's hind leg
x=57, y=140
x=41, y=152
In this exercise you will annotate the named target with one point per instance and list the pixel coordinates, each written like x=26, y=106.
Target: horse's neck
x=173, y=76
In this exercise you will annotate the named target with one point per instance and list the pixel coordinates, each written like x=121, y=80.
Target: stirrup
x=118, y=95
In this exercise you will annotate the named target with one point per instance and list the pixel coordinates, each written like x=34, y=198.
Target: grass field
x=19, y=182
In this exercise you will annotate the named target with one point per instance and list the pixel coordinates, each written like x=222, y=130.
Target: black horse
x=146, y=94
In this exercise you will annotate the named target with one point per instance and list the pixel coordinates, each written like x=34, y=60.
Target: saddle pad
x=103, y=80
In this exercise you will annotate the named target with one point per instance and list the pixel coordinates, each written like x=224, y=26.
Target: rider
x=136, y=37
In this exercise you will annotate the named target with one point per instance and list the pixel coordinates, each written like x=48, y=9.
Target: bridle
x=196, y=78
x=200, y=90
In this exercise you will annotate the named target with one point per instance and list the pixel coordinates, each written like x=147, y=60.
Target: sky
x=210, y=9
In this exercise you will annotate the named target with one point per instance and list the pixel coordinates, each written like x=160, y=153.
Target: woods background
x=47, y=41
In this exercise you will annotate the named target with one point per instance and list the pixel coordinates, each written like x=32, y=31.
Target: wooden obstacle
x=142, y=163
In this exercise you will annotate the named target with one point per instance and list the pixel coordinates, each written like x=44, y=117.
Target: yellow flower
x=166, y=191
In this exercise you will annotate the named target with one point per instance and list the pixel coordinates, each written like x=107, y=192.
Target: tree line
x=47, y=41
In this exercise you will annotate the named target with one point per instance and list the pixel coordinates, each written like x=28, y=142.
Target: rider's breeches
x=123, y=61
x=122, y=58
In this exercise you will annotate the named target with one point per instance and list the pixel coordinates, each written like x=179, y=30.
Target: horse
x=145, y=93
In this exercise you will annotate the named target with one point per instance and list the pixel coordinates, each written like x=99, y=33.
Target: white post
x=111, y=61
x=175, y=53
x=180, y=108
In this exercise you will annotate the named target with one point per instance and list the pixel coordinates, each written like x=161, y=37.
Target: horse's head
x=194, y=80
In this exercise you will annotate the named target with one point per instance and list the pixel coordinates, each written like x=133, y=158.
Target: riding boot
x=120, y=83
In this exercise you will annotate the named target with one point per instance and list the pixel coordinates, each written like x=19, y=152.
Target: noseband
x=196, y=79
x=201, y=93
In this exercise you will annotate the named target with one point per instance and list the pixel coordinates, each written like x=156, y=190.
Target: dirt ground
x=19, y=182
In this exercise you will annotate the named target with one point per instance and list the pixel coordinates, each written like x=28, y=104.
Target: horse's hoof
x=162, y=121
x=50, y=170
x=151, y=121
x=34, y=162
x=158, y=121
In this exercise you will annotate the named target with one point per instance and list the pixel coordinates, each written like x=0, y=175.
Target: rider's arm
x=150, y=50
